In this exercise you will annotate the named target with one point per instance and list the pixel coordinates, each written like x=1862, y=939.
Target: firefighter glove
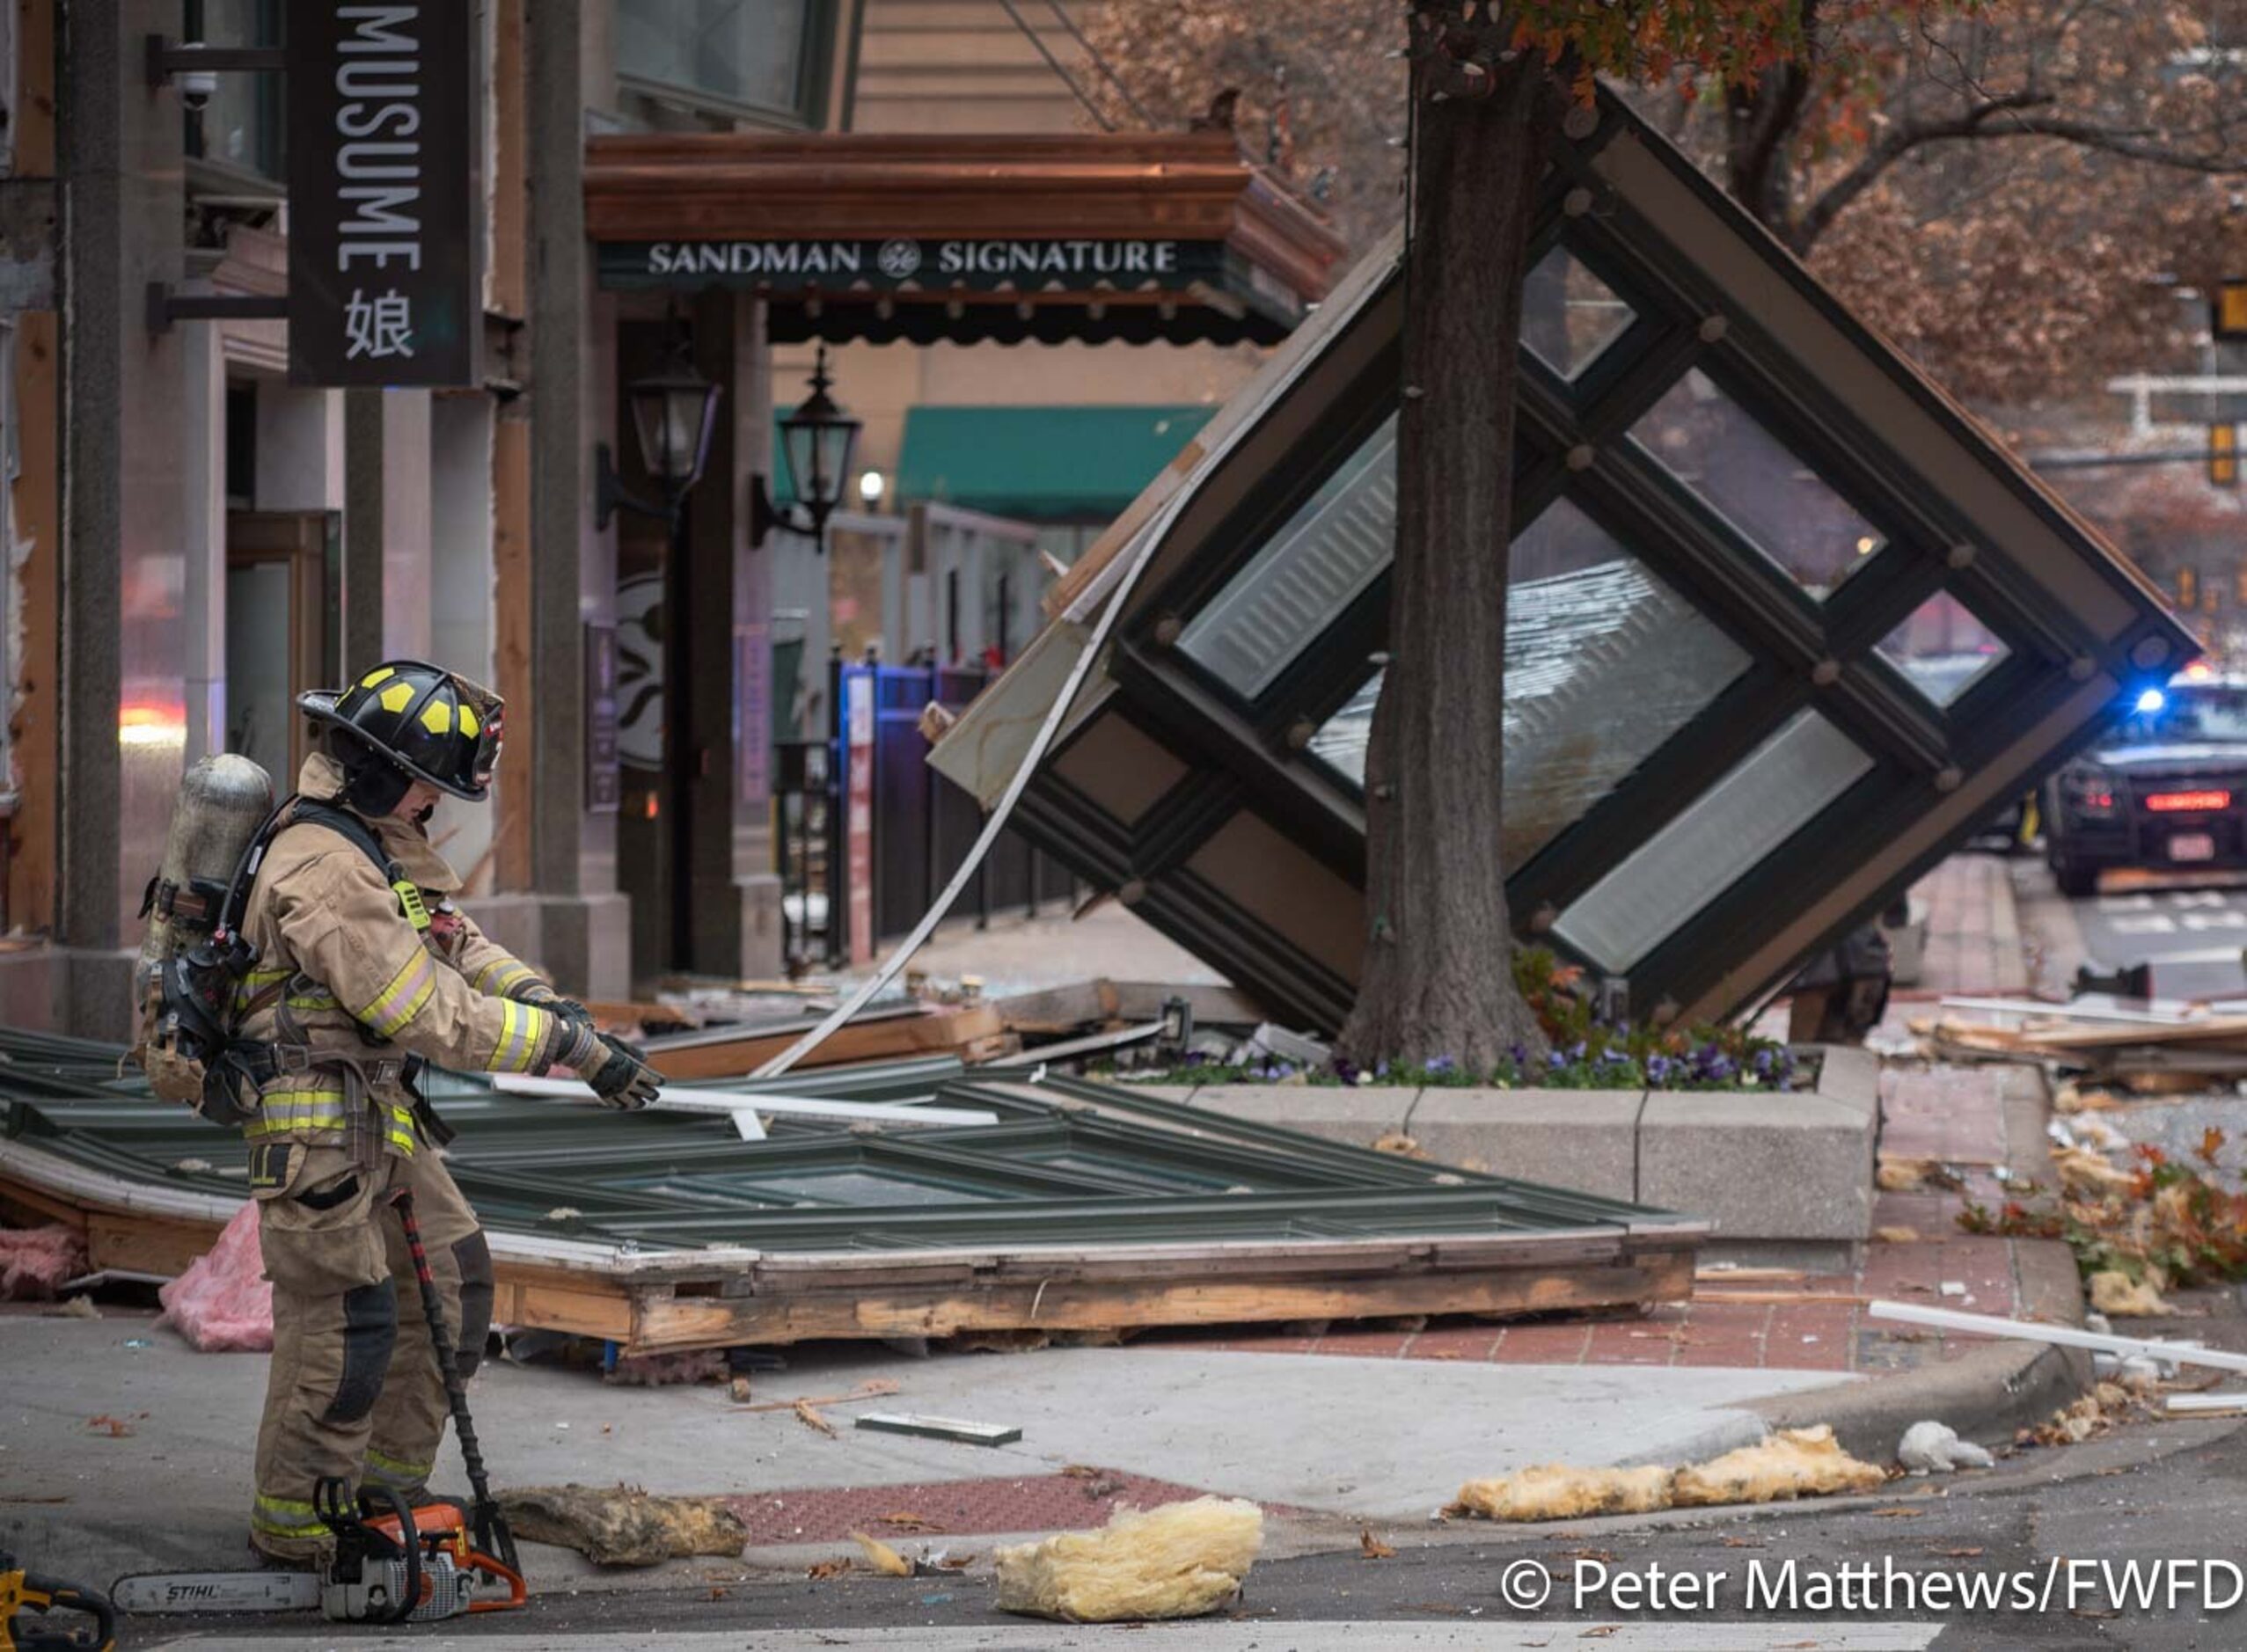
x=621, y=1078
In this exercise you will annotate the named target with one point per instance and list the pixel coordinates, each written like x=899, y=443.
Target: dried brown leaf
x=1372, y=1547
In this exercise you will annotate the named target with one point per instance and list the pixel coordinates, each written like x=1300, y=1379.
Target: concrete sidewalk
x=1317, y=1439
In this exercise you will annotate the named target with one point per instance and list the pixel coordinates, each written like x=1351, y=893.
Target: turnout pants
x=354, y=1390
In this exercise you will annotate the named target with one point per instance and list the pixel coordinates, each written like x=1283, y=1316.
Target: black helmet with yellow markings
x=416, y=721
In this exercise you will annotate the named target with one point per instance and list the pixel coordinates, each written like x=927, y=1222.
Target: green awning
x=1043, y=463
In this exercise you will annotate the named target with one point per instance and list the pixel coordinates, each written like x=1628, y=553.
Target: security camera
x=197, y=87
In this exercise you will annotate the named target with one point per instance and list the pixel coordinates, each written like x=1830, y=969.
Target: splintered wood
x=2157, y=1049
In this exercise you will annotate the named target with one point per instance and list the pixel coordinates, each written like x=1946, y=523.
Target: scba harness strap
x=232, y=1060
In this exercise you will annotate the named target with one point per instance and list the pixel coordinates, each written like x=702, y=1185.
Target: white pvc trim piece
x=736, y=1101
x=2064, y=1335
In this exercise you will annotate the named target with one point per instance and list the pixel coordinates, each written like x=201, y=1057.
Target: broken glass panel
x=1604, y=662
x=1778, y=503
x=1333, y=547
x=1772, y=794
x=1943, y=648
x=1569, y=315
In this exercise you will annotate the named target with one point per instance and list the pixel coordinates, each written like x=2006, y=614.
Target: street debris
x=872, y=1388
x=1180, y=1561
x=623, y=1525
x=662, y=1371
x=1792, y=1463
x=2207, y=1405
x=2168, y=1355
x=224, y=1302
x=1935, y=1448
x=1372, y=1549
x=883, y=1558
x=809, y=1416
x=2115, y=1292
x=34, y=1261
x=955, y=1428
x=2096, y=1412
x=1554, y=1491
x=73, y=1308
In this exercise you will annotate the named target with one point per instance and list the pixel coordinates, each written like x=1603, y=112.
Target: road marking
x=2230, y=919
x=2154, y=924
x=2126, y=903
x=2199, y=897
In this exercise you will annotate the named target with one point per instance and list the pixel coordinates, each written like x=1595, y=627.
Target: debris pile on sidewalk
x=1180, y=1561
x=2138, y=1227
x=35, y=1262
x=1792, y=1462
x=224, y=1302
x=2147, y=1046
x=623, y=1525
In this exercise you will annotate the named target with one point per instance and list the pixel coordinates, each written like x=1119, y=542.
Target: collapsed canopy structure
x=1785, y=623
x=1081, y=1206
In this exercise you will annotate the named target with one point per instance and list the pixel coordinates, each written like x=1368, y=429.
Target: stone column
x=124, y=659
x=366, y=496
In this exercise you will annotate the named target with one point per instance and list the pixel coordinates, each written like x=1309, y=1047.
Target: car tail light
x=2187, y=802
x=2087, y=793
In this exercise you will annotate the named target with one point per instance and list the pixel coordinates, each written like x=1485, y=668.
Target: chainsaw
x=407, y=1565
x=24, y=1592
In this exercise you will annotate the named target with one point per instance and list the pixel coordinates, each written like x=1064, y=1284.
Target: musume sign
x=897, y=262
x=383, y=279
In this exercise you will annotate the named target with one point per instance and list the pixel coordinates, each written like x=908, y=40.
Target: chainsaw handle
x=518, y=1591
x=47, y=1594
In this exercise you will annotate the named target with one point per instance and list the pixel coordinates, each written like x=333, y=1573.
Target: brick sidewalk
x=1974, y=934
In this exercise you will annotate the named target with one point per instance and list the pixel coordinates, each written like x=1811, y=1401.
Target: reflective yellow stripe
x=522, y=1033
x=401, y=1129
x=285, y=1517
x=281, y=1111
x=402, y=999
x=503, y=976
x=391, y=1468
x=256, y=981
x=314, y=1001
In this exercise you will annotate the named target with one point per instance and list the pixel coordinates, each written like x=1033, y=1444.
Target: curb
x=1986, y=1393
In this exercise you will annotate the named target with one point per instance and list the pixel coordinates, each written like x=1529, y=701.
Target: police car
x=2166, y=789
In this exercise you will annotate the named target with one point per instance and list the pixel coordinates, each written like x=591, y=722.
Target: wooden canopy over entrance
x=1128, y=237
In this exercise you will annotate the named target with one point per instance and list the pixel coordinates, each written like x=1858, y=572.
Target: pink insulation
x=35, y=1261
x=224, y=1304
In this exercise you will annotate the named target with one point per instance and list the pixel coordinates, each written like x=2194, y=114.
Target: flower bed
x=1585, y=1054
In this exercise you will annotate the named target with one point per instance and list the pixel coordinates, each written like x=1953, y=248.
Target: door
x=283, y=631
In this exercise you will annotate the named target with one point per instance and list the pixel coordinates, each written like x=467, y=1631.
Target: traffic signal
x=2224, y=456
x=2228, y=316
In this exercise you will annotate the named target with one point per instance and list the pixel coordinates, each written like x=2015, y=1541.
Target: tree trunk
x=1438, y=977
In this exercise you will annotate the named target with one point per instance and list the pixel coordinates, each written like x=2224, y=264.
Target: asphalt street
x=2074, y=1522
x=2192, y=935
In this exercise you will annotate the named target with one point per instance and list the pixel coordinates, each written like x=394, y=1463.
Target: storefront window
x=1604, y=663
x=1778, y=503
x=753, y=57
x=240, y=128
x=1774, y=792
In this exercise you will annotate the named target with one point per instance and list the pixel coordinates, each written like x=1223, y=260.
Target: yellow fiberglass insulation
x=1179, y=1561
x=1792, y=1463
x=1555, y=1492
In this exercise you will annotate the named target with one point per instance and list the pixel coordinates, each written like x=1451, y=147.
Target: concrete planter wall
x=1764, y=1166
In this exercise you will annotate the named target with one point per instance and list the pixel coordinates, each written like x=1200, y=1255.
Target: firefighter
x=365, y=969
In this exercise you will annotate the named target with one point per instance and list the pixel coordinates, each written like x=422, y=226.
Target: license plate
x=2193, y=846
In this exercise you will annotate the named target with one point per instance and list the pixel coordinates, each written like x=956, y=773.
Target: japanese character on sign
x=379, y=328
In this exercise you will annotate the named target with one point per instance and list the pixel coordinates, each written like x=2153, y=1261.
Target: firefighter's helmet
x=409, y=720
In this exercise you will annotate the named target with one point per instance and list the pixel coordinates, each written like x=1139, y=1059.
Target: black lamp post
x=673, y=414
x=815, y=442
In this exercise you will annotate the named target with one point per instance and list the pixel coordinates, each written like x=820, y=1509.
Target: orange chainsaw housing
x=440, y=1526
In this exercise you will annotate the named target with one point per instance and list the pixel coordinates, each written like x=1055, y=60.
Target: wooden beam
x=674, y=1324
x=883, y=1038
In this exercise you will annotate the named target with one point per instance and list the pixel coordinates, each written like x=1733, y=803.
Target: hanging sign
x=383, y=287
